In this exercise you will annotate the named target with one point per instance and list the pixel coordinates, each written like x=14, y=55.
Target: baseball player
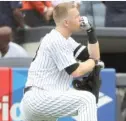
x=47, y=94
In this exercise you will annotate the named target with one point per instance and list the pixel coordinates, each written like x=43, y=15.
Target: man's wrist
x=91, y=36
x=95, y=61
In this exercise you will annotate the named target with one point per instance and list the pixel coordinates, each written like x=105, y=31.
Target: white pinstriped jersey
x=47, y=70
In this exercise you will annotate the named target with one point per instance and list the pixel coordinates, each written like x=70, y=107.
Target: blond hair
x=61, y=11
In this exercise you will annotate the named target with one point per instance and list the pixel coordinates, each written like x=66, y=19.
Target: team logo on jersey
x=104, y=100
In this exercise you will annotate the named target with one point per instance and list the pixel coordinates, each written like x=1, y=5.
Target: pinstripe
x=62, y=104
x=73, y=43
x=51, y=95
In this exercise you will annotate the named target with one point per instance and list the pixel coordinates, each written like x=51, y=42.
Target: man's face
x=73, y=20
x=5, y=37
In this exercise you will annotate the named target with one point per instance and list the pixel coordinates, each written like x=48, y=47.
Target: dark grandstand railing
x=112, y=40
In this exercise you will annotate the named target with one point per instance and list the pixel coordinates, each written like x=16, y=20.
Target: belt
x=27, y=89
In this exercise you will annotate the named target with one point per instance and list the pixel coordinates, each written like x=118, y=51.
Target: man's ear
x=66, y=22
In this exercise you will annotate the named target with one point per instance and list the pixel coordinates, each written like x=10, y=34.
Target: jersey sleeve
x=74, y=44
x=77, y=47
x=62, y=55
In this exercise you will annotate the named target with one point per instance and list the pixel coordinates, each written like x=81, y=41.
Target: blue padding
x=106, y=111
x=19, y=77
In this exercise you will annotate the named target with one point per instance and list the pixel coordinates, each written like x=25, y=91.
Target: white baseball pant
x=41, y=105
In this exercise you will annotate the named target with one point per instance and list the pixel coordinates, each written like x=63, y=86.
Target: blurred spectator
x=115, y=13
x=37, y=13
x=15, y=50
x=95, y=11
x=10, y=14
x=8, y=48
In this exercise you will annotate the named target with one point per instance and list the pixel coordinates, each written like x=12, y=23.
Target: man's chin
x=78, y=30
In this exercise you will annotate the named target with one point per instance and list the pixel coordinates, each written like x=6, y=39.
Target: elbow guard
x=71, y=68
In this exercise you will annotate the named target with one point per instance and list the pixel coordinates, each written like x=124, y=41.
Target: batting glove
x=101, y=64
x=85, y=23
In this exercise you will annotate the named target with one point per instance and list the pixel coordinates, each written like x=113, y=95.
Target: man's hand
x=48, y=14
x=100, y=64
x=93, y=44
x=92, y=82
x=85, y=23
x=19, y=17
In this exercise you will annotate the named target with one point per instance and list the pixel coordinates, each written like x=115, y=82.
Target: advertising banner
x=106, y=105
x=5, y=94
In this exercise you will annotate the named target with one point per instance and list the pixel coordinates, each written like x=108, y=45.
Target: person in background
x=37, y=13
x=8, y=48
x=115, y=13
x=10, y=14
